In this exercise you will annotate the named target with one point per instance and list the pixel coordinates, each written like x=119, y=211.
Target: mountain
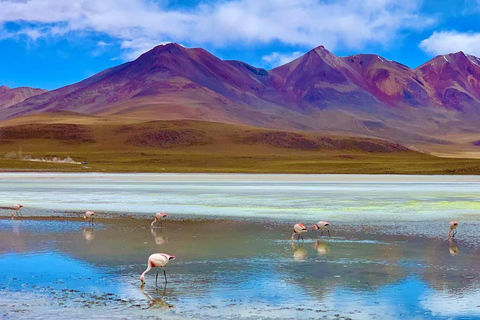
x=9, y=97
x=456, y=81
x=437, y=103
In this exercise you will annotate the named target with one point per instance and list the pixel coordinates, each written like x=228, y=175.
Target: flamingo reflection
x=88, y=233
x=157, y=234
x=299, y=253
x=321, y=247
x=453, y=249
x=159, y=302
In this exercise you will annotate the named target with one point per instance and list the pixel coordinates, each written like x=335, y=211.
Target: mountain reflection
x=228, y=265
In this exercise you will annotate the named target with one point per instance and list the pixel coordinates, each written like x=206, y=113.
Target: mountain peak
x=321, y=51
x=172, y=48
x=457, y=54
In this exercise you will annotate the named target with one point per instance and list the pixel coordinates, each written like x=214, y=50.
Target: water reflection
x=157, y=233
x=157, y=301
x=88, y=233
x=453, y=248
x=321, y=247
x=235, y=269
x=299, y=252
x=16, y=226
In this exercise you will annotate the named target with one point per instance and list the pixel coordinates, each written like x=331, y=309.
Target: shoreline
x=246, y=172
x=219, y=176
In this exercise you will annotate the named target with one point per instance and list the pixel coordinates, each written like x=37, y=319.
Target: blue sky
x=52, y=43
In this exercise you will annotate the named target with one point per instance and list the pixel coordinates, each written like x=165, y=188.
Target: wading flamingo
x=17, y=208
x=159, y=216
x=322, y=225
x=299, y=228
x=453, y=229
x=89, y=215
x=157, y=260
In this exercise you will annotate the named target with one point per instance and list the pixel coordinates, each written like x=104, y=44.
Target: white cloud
x=277, y=59
x=440, y=303
x=103, y=44
x=346, y=23
x=445, y=42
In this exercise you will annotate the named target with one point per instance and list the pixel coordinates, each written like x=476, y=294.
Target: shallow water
x=332, y=197
x=53, y=268
x=388, y=258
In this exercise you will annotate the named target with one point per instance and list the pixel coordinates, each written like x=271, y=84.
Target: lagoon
x=388, y=258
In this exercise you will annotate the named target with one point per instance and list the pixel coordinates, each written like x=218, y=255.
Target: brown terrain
x=106, y=144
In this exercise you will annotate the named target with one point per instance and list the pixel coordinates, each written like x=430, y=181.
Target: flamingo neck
x=149, y=267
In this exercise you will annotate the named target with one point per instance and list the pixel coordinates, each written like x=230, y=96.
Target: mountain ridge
x=359, y=95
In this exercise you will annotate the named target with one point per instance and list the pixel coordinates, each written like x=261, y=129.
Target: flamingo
x=322, y=225
x=89, y=215
x=299, y=228
x=158, y=218
x=453, y=229
x=17, y=208
x=157, y=260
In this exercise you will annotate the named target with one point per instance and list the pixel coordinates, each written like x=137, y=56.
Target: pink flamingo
x=17, y=208
x=322, y=225
x=157, y=260
x=159, y=216
x=299, y=228
x=89, y=215
x=453, y=229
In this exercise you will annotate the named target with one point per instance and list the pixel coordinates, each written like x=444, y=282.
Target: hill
x=196, y=146
x=9, y=96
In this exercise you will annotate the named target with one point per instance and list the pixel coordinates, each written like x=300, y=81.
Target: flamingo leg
x=161, y=224
x=321, y=233
x=328, y=233
x=165, y=275
x=156, y=279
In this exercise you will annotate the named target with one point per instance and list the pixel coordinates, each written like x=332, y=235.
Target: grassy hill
x=117, y=145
